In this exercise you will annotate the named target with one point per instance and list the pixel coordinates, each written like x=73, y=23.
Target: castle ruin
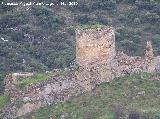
x=98, y=62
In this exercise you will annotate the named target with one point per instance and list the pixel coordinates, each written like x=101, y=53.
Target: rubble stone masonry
x=94, y=45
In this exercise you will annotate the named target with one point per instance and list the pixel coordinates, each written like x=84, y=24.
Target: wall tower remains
x=95, y=45
x=99, y=62
x=95, y=54
x=149, y=50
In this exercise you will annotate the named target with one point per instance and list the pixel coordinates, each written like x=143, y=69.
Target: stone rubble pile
x=54, y=90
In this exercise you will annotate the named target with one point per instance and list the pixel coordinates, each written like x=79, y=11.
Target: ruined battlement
x=94, y=44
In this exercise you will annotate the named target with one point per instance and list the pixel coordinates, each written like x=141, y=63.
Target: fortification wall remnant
x=99, y=62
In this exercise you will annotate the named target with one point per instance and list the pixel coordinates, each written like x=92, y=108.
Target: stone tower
x=149, y=51
x=95, y=53
x=94, y=45
x=150, y=61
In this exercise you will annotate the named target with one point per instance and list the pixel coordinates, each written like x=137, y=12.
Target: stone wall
x=31, y=97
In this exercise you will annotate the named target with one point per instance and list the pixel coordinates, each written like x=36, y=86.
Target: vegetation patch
x=4, y=99
x=39, y=77
x=34, y=79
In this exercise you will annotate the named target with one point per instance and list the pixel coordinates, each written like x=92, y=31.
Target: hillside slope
x=134, y=97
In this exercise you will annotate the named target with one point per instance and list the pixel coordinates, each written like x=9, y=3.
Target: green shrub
x=46, y=18
x=12, y=20
x=4, y=99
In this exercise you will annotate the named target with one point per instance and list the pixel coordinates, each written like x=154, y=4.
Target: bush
x=83, y=19
x=46, y=18
x=134, y=115
x=103, y=4
x=130, y=1
x=2, y=76
x=145, y=4
x=137, y=21
x=4, y=99
x=151, y=17
x=12, y=20
x=83, y=7
x=157, y=116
